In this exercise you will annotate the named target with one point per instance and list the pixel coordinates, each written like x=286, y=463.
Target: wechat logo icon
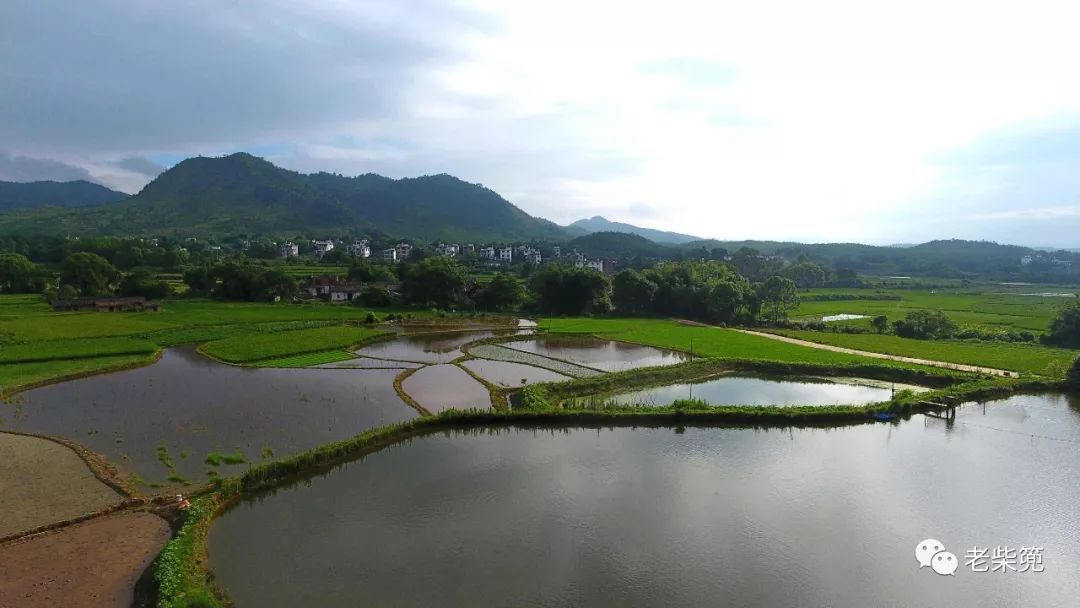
x=931, y=552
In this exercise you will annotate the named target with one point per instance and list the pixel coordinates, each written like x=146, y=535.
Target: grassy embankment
x=320, y=344
x=1031, y=359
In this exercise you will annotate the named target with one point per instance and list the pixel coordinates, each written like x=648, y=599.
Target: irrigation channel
x=614, y=516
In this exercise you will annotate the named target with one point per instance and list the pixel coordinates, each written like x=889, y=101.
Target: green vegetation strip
x=264, y=346
x=1026, y=358
x=307, y=360
x=15, y=377
x=74, y=349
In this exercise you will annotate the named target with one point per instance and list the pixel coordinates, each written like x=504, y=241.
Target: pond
x=605, y=355
x=192, y=406
x=697, y=516
x=760, y=390
x=441, y=387
x=442, y=347
x=842, y=317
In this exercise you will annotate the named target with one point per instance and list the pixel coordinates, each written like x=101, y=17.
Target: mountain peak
x=599, y=223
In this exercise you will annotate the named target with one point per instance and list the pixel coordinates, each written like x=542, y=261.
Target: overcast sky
x=858, y=121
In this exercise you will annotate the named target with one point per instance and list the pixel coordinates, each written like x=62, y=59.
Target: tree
x=880, y=323
x=778, y=296
x=435, y=281
x=377, y=297
x=367, y=271
x=503, y=292
x=19, y=275
x=564, y=290
x=89, y=273
x=201, y=280
x=144, y=283
x=805, y=274
x=632, y=293
x=925, y=325
x=1065, y=329
x=1074, y=373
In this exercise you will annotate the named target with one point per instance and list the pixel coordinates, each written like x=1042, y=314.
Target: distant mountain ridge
x=78, y=193
x=241, y=193
x=600, y=224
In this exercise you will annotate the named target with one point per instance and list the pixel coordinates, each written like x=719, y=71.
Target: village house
x=345, y=292
x=289, y=249
x=322, y=247
x=360, y=249
x=488, y=253
x=389, y=255
x=403, y=251
x=320, y=286
x=506, y=254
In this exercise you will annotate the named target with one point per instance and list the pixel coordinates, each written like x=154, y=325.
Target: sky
x=854, y=121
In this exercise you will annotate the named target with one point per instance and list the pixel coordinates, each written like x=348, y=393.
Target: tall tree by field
x=144, y=283
x=708, y=291
x=503, y=292
x=778, y=295
x=632, y=293
x=1065, y=329
x=564, y=290
x=367, y=271
x=201, y=280
x=925, y=325
x=880, y=324
x=434, y=281
x=19, y=275
x=89, y=274
x=242, y=280
x=805, y=274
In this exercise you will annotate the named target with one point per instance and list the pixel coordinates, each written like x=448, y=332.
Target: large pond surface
x=676, y=517
x=606, y=355
x=749, y=390
x=192, y=406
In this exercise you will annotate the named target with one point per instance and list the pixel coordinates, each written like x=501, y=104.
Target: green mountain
x=241, y=193
x=600, y=224
x=23, y=195
x=620, y=245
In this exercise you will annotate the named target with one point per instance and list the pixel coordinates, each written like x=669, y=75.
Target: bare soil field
x=88, y=565
x=44, y=482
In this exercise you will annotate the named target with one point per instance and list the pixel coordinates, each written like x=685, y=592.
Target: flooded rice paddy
x=192, y=406
x=842, y=317
x=694, y=516
x=441, y=387
x=509, y=375
x=604, y=355
x=428, y=348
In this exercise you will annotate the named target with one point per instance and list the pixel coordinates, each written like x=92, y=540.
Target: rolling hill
x=79, y=193
x=241, y=193
x=600, y=224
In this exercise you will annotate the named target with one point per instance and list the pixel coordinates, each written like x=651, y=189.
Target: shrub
x=1074, y=373
x=925, y=325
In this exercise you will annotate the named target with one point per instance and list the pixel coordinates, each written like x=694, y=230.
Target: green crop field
x=1027, y=358
x=993, y=309
x=707, y=341
x=15, y=376
x=74, y=349
x=262, y=346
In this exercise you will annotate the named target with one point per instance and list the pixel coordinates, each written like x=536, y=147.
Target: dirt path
x=88, y=565
x=865, y=353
